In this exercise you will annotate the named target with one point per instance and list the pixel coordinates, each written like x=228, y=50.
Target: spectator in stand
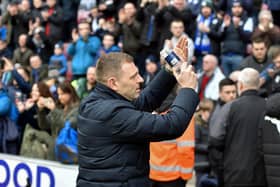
x=177, y=30
x=108, y=44
x=208, y=36
x=26, y=13
x=235, y=136
x=168, y=12
x=227, y=93
x=37, y=7
x=4, y=50
x=271, y=75
x=58, y=61
x=202, y=165
x=39, y=71
x=84, y=88
x=91, y=79
x=84, y=9
x=130, y=30
x=94, y=16
x=52, y=21
x=266, y=28
x=274, y=6
x=70, y=11
x=259, y=59
x=149, y=35
x=22, y=53
x=8, y=111
x=234, y=75
x=17, y=23
x=36, y=143
x=38, y=42
x=53, y=119
x=110, y=8
x=209, y=78
x=3, y=31
x=225, y=6
x=83, y=50
x=20, y=75
x=236, y=33
x=152, y=68
x=27, y=107
x=195, y=6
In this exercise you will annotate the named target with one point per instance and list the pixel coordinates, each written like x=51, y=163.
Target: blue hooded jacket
x=84, y=54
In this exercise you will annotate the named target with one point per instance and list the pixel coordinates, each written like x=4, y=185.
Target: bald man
x=209, y=78
x=233, y=147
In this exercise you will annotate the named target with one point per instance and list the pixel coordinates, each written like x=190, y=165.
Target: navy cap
x=236, y=3
x=151, y=59
x=59, y=45
x=206, y=3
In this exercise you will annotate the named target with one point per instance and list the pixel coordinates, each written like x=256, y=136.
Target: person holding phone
x=115, y=123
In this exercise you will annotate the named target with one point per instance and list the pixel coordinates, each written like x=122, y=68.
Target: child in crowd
x=202, y=117
x=108, y=44
x=152, y=68
x=58, y=61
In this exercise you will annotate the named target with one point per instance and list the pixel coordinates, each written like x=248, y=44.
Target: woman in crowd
x=66, y=110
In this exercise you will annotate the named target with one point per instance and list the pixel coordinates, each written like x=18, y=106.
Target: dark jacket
x=22, y=57
x=114, y=133
x=131, y=37
x=270, y=142
x=201, y=145
x=16, y=25
x=7, y=111
x=39, y=74
x=55, y=23
x=251, y=62
x=166, y=15
x=236, y=137
x=149, y=34
x=215, y=36
x=235, y=39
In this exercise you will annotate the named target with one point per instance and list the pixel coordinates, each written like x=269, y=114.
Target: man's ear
x=112, y=83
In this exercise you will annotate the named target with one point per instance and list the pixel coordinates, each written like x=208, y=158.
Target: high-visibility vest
x=173, y=159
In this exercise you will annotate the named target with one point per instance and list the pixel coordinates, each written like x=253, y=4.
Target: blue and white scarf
x=202, y=41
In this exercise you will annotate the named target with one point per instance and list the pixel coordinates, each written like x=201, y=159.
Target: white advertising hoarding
x=18, y=171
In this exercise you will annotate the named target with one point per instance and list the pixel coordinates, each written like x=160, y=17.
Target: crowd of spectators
x=49, y=49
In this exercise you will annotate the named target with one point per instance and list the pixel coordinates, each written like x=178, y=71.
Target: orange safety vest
x=173, y=159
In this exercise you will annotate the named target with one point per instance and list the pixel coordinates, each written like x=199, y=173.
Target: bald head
x=248, y=79
x=210, y=63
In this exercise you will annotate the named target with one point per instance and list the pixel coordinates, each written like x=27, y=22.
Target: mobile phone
x=171, y=58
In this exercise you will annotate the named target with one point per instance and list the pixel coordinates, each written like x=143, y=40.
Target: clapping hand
x=186, y=77
x=181, y=49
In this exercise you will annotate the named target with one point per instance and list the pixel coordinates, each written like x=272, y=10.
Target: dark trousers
x=174, y=183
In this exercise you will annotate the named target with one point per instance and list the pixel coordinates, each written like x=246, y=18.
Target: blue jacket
x=60, y=62
x=7, y=106
x=114, y=48
x=84, y=54
x=5, y=103
x=114, y=133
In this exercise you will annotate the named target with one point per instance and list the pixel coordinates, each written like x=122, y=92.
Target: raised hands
x=181, y=49
x=186, y=77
